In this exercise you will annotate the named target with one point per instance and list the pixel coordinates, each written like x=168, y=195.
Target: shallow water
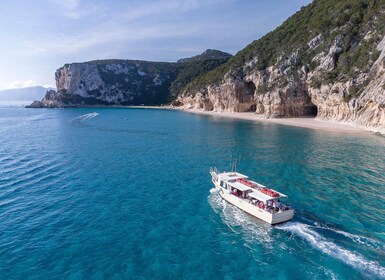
x=125, y=193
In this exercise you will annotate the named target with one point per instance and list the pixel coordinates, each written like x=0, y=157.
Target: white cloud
x=18, y=84
x=168, y=7
x=155, y=8
x=134, y=24
x=112, y=35
x=22, y=84
x=66, y=4
x=49, y=86
x=74, y=10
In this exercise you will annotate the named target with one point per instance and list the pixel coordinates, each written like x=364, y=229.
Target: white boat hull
x=272, y=218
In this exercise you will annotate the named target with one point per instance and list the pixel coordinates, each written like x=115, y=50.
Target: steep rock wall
x=114, y=83
x=288, y=89
x=327, y=60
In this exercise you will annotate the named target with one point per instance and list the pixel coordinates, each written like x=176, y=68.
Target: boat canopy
x=264, y=197
x=240, y=186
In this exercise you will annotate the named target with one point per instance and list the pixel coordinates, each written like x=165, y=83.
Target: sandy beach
x=304, y=122
x=310, y=123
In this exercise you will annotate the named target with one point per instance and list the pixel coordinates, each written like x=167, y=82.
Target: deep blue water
x=125, y=194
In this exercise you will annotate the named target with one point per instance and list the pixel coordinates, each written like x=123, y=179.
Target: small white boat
x=253, y=198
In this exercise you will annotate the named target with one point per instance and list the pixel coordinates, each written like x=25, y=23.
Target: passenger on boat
x=277, y=204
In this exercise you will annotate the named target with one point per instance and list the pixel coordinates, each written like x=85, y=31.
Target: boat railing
x=214, y=172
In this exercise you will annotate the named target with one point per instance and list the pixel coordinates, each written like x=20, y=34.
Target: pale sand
x=298, y=122
x=309, y=122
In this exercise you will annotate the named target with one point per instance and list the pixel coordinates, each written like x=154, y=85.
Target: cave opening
x=253, y=108
x=248, y=98
x=311, y=110
x=250, y=87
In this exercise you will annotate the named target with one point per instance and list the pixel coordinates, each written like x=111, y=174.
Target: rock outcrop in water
x=327, y=60
x=49, y=101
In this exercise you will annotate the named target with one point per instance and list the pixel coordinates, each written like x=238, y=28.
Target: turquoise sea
x=126, y=194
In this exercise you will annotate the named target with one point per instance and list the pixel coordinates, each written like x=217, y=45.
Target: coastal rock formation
x=126, y=82
x=48, y=101
x=327, y=61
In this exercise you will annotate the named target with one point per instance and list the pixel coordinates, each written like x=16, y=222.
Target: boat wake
x=238, y=221
x=84, y=117
x=255, y=231
x=317, y=241
x=362, y=240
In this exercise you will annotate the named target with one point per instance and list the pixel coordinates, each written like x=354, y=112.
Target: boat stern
x=281, y=217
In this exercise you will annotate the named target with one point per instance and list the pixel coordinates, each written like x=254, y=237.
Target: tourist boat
x=253, y=198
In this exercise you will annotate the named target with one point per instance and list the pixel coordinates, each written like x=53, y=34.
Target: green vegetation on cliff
x=207, y=55
x=358, y=24
x=191, y=70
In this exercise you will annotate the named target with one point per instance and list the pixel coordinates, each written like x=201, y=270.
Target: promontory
x=326, y=61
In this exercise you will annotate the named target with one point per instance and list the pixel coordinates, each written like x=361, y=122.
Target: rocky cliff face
x=126, y=82
x=114, y=83
x=332, y=70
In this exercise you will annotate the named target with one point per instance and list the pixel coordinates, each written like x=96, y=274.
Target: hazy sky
x=39, y=36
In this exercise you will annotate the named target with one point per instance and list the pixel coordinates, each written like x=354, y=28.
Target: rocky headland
x=126, y=82
x=326, y=61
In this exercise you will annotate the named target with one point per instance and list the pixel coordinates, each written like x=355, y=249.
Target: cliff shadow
x=245, y=97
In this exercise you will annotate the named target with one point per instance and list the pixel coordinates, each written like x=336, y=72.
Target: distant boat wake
x=234, y=218
x=85, y=117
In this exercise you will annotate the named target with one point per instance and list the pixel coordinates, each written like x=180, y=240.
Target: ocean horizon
x=125, y=193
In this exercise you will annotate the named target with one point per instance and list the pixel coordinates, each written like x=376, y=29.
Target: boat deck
x=258, y=196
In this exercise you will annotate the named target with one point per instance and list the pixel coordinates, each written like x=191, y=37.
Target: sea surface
x=126, y=194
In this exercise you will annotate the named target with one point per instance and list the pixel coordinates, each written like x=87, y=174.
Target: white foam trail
x=235, y=218
x=363, y=240
x=328, y=247
x=86, y=117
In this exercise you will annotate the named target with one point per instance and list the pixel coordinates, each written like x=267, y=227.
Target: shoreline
x=303, y=122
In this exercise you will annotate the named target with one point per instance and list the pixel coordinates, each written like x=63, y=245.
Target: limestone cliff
x=116, y=82
x=327, y=60
x=126, y=82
